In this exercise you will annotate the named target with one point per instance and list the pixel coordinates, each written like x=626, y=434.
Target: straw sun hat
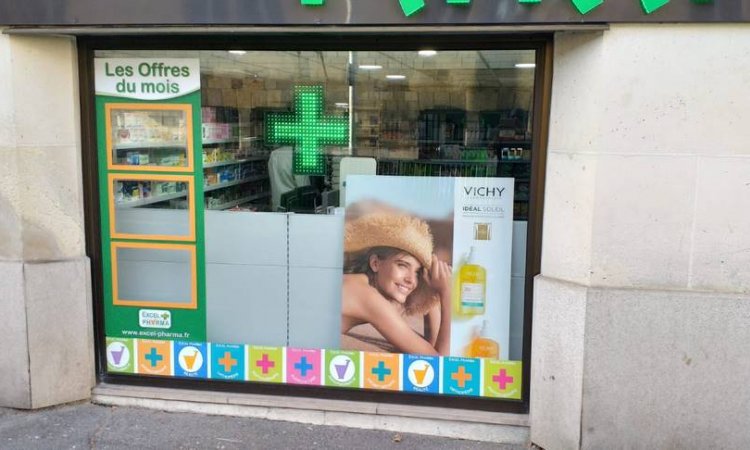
x=385, y=229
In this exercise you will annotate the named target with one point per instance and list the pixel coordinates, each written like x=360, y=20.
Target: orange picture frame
x=193, y=301
x=189, y=179
x=187, y=109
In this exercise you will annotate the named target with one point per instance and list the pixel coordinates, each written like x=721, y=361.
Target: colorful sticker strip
x=473, y=377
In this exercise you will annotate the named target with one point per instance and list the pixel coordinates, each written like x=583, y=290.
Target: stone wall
x=45, y=289
x=639, y=310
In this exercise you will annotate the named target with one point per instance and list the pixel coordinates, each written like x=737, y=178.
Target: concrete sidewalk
x=87, y=426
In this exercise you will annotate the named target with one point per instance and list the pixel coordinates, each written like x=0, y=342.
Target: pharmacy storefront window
x=337, y=219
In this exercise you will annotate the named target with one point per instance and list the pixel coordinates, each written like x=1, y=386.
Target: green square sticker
x=586, y=6
x=652, y=5
x=265, y=364
x=342, y=368
x=410, y=7
x=502, y=379
x=120, y=355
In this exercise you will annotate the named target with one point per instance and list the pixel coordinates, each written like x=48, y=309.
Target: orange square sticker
x=155, y=357
x=381, y=371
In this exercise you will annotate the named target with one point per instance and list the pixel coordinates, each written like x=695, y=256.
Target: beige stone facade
x=45, y=288
x=638, y=313
x=642, y=306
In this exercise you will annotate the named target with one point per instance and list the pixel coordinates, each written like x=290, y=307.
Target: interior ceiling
x=468, y=68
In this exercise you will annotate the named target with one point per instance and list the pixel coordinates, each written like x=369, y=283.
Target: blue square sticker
x=461, y=376
x=228, y=362
x=421, y=374
x=190, y=359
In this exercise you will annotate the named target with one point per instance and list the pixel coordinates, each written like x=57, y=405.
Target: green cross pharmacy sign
x=308, y=130
x=411, y=7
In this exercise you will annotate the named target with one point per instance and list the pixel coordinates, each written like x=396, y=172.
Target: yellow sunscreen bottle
x=472, y=286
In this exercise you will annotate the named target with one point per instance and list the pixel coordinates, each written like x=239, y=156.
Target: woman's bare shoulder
x=359, y=295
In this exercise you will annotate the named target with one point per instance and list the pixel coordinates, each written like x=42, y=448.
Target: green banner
x=150, y=164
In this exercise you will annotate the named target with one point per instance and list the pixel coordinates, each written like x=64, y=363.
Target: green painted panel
x=124, y=321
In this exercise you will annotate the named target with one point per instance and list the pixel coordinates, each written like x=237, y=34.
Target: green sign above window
x=411, y=7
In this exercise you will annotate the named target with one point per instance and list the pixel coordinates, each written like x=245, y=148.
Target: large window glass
x=357, y=218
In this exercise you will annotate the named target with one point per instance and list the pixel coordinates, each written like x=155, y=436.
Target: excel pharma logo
x=154, y=318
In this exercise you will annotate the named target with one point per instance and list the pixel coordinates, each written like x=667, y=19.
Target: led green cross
x=308, y=130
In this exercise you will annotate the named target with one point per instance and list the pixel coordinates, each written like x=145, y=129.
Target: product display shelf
x=446, y=168
x=225, y=184
x=207, y=141
x=366, y=132
x=239, y=201
x=240, y=156
x=151, y=154
x=148, y=145
x=234, y=161
x=150, y=200
x=441, y=141
x=511, y=142
x=513, y=161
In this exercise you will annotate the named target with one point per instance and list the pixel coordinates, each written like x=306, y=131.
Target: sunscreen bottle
x=482, y=346
x=472, y=286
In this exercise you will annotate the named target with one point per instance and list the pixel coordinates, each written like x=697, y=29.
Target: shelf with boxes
x=148, y=137
x=139, y=193
x=436, y=168
x=147, y=145
x=235, y=167
x=230, y=199
x=384, y=134
x=234, y=161
x=367, y=127
x=247, y=175
x=440, y=132
x=144, y=138
x=150, y=155
x=514, y=160
x=224, y=184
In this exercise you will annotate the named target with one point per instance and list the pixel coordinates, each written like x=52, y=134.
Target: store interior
x=427, y=113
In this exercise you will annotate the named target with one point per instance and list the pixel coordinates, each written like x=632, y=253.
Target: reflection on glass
x=454, y=114
x=466, y=113
x=149, y=137
x=449, y=113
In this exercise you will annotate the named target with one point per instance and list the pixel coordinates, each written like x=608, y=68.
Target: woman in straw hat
x=390, y=272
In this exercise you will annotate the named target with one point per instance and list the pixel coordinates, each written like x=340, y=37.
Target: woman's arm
x=439, y=279
x=388, y=321
x=381, y=314
x=361, y=303
x=432, y=324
